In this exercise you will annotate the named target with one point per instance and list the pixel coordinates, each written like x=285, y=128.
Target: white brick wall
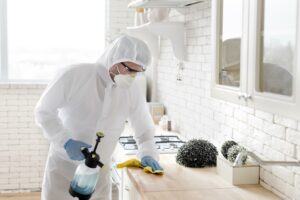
x=23, y=149
x=118, y=18
x=196, y=115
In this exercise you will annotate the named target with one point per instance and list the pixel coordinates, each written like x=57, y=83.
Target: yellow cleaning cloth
x=140, y=10
x=130, y=163
x=136, y=163
x=149, y=169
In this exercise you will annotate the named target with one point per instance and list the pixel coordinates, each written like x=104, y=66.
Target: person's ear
x=112, y=69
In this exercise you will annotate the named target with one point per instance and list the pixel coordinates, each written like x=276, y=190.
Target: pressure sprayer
x=87, y=173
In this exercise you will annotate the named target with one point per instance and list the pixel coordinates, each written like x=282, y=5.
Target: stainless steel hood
x=162, y=3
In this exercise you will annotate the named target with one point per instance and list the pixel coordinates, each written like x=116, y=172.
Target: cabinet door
x=274, y=82
x=129, y=190
x=229, y=22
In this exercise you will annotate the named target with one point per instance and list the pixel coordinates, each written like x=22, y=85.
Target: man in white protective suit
x=86, y=98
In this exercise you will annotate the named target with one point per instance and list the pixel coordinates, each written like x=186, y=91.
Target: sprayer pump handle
x=100, y=164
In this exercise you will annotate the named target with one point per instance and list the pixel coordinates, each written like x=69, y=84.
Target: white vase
x=238, y=175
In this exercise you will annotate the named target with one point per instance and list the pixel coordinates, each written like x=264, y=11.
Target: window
x=255, y=54
x=277, y=49
x=39, y=37
x=230, y=42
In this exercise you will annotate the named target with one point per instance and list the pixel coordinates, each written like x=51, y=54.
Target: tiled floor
x=21, y=196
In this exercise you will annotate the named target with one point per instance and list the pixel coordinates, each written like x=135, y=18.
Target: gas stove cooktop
x=164, y=144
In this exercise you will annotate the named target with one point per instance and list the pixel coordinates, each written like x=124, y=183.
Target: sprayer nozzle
x=100, y=134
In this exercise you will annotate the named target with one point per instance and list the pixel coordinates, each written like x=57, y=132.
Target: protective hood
x=124, y=49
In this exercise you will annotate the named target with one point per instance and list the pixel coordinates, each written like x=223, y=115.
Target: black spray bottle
x=87, y=173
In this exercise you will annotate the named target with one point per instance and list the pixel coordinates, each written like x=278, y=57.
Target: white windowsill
x=22, y=84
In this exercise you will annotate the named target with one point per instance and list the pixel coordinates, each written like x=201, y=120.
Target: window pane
x=278, y=46
x=44, y=36
x=230, y=44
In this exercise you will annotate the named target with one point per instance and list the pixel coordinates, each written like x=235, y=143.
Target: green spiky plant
x=197, y=153
x=234, y=151
x=226, y=145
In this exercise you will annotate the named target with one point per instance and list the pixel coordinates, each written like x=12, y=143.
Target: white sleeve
x=142, y=125
x=47, y=108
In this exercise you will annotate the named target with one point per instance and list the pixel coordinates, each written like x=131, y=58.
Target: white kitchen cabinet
x=129, y=190
x=257, y=54
x=230, y=49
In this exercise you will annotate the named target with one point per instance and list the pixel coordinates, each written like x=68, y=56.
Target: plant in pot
x=248, y=173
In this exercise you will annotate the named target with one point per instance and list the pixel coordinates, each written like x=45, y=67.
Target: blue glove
x=151, y=165
x=73, y=149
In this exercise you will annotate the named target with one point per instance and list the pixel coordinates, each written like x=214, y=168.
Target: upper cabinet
x=256, y=54
x=229, y=19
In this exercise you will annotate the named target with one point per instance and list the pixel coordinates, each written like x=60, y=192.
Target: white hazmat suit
x=83, y=100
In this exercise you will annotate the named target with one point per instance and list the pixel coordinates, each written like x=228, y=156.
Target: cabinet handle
x=248, y=97
x=127, y=188
x=241, y=96
x=244, y=96
x=114, y=182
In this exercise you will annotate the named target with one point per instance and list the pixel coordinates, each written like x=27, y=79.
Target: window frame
x=4, y=65
x=280, y=104
x=4, y=50
x=3, y=41
x=249, y=69
x=232, y=94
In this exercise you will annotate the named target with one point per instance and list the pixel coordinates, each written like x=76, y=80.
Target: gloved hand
x=73, y=149
x=151, y=165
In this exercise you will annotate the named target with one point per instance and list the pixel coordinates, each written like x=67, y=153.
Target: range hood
x=163, y=3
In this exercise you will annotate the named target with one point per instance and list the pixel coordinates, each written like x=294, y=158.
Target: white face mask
x=124, y=80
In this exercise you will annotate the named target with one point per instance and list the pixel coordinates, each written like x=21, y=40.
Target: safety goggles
x=130, y=70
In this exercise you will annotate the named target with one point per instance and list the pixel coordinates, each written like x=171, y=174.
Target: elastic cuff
x=153, y=153
x=61, y=139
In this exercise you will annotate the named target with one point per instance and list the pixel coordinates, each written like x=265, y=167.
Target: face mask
x=124, y=80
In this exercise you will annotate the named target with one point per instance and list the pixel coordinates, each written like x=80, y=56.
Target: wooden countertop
x=180, y=182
